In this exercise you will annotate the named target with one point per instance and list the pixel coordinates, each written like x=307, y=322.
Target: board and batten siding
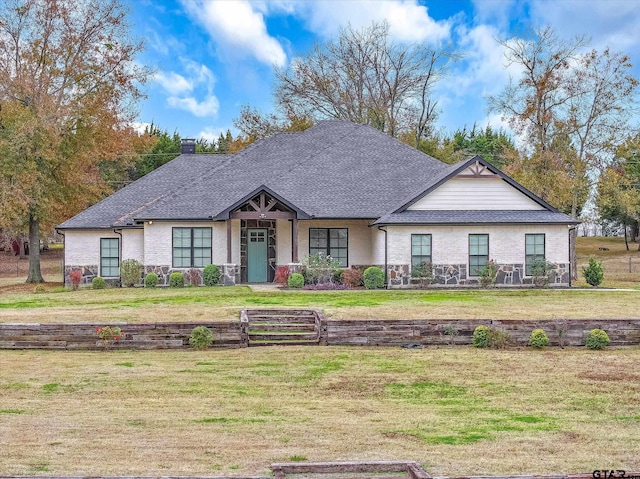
x=359, y=238
x=475, y=194
x=283, y=242
x=450, y=244
x=83, y=247
x=158, y=240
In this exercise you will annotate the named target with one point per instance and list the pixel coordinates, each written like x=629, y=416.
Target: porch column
x=294, y=240
x=229, y=241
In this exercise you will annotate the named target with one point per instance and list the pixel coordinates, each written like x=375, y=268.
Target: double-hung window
x=332, y=242
x=420, y=249
x=533, y=250
x=109, y=257
x=191, y=247
x=478, y=253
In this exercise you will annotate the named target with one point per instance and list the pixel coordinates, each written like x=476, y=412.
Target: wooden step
x=282, y=319
x=283, y=336
x=282, y=326
x=282, y=343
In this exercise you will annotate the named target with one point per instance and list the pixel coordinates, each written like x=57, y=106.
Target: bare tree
x=570, y=104
x=366, y=77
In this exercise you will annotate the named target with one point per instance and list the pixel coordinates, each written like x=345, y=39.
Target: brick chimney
x=188, y=146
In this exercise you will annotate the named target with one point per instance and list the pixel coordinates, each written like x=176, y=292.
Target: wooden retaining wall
x=414, y=332
x=135, y=335
x=572, y=332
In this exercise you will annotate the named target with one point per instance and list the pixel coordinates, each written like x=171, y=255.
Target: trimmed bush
x=538, y=339
x=296, y=280
x=130, y=271
x=351, y=278
x=151, y=280
x=597, y=339
x=201, y=337
x=98, y=283
x=176, y=280
x=373, y=278
x=481, y=337
x=211, y=275
x=486, y=337
x=594, y=273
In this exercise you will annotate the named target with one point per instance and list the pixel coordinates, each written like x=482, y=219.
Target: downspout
x=64, y=255
x=386, y=284
x=119, y=233
x=571, y=228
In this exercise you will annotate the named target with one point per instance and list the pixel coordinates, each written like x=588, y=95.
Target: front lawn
x=459, y=411
x=223, y=303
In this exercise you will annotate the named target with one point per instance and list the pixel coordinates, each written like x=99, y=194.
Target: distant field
x=621, y=267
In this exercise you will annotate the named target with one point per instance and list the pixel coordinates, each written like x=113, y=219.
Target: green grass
x=223, y=304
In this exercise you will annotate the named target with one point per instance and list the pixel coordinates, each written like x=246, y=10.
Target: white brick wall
x=359, y=238
x=83, y=247
x=158, y=237
x=133, y=244
x=450, y=244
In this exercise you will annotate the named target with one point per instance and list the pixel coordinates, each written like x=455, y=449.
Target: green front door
x=257, y=255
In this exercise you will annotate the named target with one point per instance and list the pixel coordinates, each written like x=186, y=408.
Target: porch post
x=229, y=240
x=294, y=240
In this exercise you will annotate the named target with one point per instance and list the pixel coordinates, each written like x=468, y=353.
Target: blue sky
x=213, y=56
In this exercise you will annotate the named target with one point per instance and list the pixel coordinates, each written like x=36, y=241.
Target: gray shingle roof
x=458, y=217
x=335, y=169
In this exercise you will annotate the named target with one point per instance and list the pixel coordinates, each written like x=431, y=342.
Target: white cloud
x=208, y=107
x=211, y=134
x=613, y=23
x=140, y=126
x=238, y=26
x=408, y=21
x=174, y=83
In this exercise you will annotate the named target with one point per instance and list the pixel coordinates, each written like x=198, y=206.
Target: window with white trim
x=533, y=250
x=420, y=249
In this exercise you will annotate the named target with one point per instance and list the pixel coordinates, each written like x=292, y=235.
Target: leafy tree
x=68, y=81
x=571, y=106
x=365, y=77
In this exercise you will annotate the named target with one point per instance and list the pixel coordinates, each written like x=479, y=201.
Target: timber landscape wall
x=407, y=333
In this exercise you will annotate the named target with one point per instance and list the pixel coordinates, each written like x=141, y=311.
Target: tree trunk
x=22, y=254
x=35, y=276
x=626, y=240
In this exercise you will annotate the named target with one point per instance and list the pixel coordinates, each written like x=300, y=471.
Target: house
x=339, y=188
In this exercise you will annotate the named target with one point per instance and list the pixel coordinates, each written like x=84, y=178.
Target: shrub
x=75, y=277
x=282, y=275
x=176, y=280
x=538, y=339
x=373, y=278
x=320, y=268
x=296, y=280
x=450, y=331
x=201, y=337
x=130, y=271
x=594, y=273
x=498, y=338
x=211, y=275
x=151, y=280
x=540, y=270
x=423, y=272
x=336, y=276
x=109, y=335
x=486, y=337
x=481, y=337
x=488, y=274
x=597, y=339
x=351, y=278
x=98, y=283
